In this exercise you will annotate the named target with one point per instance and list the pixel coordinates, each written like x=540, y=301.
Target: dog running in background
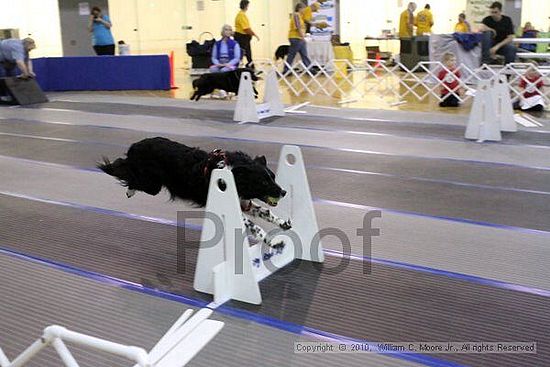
x=228, y=81
x=154, y=163
x=281, y=52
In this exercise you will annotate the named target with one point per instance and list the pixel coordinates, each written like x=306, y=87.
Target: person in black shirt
x=498, y=35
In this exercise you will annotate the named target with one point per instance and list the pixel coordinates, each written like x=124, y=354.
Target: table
x=320, y=52
x=103, y=73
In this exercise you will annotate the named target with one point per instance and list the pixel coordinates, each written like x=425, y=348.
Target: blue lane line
x=224, y=310
x=445, y=273
x=359, y=151
x=105, y=279
x=427, y=216
x=316, y=167
x=411, y=267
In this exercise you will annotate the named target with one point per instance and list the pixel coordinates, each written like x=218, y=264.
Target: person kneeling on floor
x=226, y=54
x=451, y=82
x=14, y=57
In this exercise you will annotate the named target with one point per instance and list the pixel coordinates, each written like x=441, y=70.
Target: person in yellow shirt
x=424, y=21
x=308, y=15
x=296, y=37
x=243, y=33
x=406, y=21
x=462, y=26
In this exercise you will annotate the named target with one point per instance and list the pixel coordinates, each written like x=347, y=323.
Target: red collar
x=216, y=159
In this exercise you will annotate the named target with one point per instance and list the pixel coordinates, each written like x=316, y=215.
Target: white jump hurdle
x=187, y=336
x=491, y=112
x=231, y=268
x=247, y=110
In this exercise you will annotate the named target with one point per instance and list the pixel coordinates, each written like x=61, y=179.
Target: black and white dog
x=228, y=81
x=154, y=163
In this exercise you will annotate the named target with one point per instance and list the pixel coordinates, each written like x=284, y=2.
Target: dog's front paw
x=277, y=246
x=286, y=225
x=130, y=193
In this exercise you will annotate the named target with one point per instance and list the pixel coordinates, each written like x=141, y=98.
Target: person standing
x=424, y=21
x=406, y=21
x=498, y=35
x=308, y=15
x=296, y=37
x=243, y=32
x=462, y=26
x=100, y=28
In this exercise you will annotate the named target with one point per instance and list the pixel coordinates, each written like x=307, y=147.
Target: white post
x=272, y=96
x=4, y=361
x=503, y=104
x=29, y=353
x=298, y=204
x=245, y=109
x=224, y=268
x=482, y=123
x=64, y=353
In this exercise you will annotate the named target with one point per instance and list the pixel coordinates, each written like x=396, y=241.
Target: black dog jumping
x=154, y=163
x=228, y=81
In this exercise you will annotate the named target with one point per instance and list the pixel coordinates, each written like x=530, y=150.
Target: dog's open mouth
x=272, y=201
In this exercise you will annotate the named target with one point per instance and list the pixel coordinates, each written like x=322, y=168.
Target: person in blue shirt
x=14, y=54
x=226, y=53
x=100, y=28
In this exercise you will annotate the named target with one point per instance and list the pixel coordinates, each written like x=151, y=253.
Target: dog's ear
x=261, y=160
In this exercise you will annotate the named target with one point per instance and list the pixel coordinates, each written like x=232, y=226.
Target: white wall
x=38, y=19
x=159, y=24
x=537, y=12
x=359, y=18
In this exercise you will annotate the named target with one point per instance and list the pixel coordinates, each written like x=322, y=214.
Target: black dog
x=153, y=163
x=281, y=52
x=228, y=81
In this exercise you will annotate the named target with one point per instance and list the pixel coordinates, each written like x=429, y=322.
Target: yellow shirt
x=461, y=27
x=294, y=31
x=404, y=25
x=241, y=22
x=308, y=14
x=424, y=21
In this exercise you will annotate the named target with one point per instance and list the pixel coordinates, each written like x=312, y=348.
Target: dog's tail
x=118, y=169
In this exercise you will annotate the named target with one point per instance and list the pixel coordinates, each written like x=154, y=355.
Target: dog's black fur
x=153, y=163
x=281, y=52
x=228, y=81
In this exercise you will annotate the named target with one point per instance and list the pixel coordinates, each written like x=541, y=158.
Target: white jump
x=187, y=336
x=230, y=268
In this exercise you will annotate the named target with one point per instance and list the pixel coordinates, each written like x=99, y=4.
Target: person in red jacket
x=531, y=83
x=451, y=80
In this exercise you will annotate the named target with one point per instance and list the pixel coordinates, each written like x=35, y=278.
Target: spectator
x=529, y=32
x=451, y=81
x=14, y=54
x=296, y=36
x=406, y=21
x=531, y=84
x=243, y=32
x=462, y=26
x=498, y=35
x=226, y=53
x=123, y=48
x=308, y=15
x=100, y=28
x=424, y=21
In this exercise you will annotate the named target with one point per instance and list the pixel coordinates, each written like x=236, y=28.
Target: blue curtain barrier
x=103, y=73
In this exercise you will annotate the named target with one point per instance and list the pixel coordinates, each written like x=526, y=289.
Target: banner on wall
x=325, y=17
x=476, y=10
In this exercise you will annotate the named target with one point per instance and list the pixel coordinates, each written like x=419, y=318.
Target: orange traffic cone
x=378, y=58
x=172, y=84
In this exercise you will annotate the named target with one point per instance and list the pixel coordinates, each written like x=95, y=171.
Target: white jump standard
x=228, y=267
